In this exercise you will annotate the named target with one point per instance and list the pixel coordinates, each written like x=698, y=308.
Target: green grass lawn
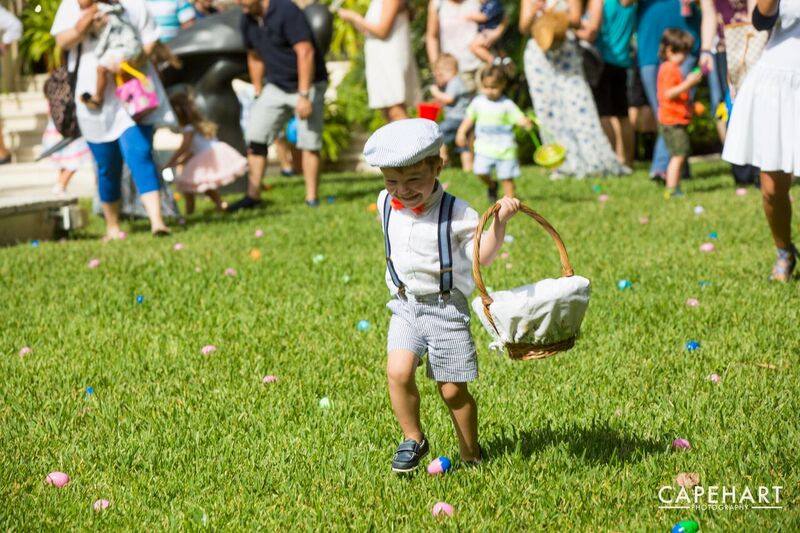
x=578, y=441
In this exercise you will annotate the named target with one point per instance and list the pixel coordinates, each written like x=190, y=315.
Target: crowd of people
x=595, y=71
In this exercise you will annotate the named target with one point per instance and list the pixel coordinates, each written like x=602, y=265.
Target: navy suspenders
x=445, y=245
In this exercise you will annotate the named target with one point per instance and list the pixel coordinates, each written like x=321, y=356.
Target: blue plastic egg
x=363, y=325
x=713, y=235
x=291, y=130
x=90, y=390
x=139, y=299
x=35, y=243
x=624, y=284
x=692, y=346
x=686, y=526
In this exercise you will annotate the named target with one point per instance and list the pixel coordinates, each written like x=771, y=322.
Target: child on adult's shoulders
x=490, y=28
x=429, y=242
x=494, y=116
x=451, y=92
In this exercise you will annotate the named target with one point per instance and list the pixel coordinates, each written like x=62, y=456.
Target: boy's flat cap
x=403, y=143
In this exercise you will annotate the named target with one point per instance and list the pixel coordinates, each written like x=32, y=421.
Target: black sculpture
x=213, y=55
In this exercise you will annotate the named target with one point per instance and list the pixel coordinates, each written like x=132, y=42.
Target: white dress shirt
x=415, y=249
x=111, y=120
x=10, y=27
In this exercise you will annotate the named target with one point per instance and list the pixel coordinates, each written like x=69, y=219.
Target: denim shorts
x=506, y=169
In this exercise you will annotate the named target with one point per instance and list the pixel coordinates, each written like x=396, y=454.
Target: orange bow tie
x=397, y=204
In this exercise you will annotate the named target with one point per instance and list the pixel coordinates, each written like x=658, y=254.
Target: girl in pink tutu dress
x=208, y=163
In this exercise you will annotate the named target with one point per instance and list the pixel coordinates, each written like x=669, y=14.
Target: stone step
x=19, y=179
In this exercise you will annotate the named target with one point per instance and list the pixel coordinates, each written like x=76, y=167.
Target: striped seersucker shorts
x=441, y=328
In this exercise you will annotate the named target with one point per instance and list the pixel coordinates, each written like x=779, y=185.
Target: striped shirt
x=494, y=126
x=170, y=15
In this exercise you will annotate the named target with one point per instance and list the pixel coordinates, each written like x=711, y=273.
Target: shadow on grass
x=595, y=444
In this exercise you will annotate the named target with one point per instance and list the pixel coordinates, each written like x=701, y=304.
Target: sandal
x=784, y=265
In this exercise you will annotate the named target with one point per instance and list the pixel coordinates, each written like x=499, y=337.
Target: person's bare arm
x=492, y=240
x=463, y=131
x=768, y=8
x=255, y=67
x=691, y=80
x=441, y=96
x=476, y=16
x=574, y=13
x=626, y=3
x=383, y=28
x=527, y=14
x=432, y=44
x=708, y=29
x=68, y=39
x=305, y=74
x=590, y=25
x=183, y=152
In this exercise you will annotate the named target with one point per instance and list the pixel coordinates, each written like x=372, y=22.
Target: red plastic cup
x=428, y=110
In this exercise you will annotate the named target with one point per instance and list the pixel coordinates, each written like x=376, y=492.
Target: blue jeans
x=649, y=75
x=718, y=80
x=135, y=148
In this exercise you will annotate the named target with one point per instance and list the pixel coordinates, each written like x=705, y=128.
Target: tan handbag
x=743, y=46
x=550, y=29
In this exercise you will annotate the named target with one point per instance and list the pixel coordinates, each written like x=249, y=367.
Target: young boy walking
x=428, y=241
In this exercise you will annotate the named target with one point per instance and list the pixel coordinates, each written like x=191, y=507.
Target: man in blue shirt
x=277, y=34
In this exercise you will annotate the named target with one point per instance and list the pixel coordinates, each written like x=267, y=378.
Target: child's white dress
x=764, y=129
x=213, y=164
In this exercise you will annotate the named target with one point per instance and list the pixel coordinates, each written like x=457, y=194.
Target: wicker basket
x=521, y=351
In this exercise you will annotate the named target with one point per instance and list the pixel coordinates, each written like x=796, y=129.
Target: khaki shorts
x=273, y=109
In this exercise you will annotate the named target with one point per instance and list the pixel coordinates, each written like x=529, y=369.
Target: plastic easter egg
x=346, y=279
x=603, y=198
x=93, y=263
x=707, y=247
x=704, y=283
x=57, y=479
x=624, y=284
x=291, y=130
x=100, y=505
x=440, y=465
x=692, y=302
x=699, y=210
x=35, y=243
x=741, y=191
x=596, y=188
x=324, y=402
x=139, y=299
x=269, y=379
x=681, y=444
x=692, y=346
x=445, y=185
x=317, y=259
x=178, y=246
x=686, y=526
x=644, y=220
x=372, y=208
x=508, y=239
x=208, y=349
x=699, y=108
x=442, y=509
x=259, y=233
x=25, y=350
x=714, y=378
x=330, y=199
x=89, y=391
x=713, y=235
x=230, y=272
x=255, y=254
x=363, y=325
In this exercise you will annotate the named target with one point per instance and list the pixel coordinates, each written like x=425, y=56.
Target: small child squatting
x=429, y=282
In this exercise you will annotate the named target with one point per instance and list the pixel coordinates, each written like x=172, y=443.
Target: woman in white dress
x=764, y=130
x=392, y=78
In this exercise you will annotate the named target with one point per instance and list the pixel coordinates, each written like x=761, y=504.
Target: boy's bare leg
x=464, y=412
x=674, y=171
x=444, y=153
x=466, y=161
x=509, y=188
x=487, y=180
x=403, y=393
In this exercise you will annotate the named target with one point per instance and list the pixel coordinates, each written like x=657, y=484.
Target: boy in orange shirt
x=674, y=113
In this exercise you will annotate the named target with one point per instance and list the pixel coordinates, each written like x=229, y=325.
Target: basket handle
x=566, y=267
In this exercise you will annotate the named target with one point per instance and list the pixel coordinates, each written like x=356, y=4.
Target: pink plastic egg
x=177, y=246
x=644, y=220
x=741, y=191
x=714, y=378
x=603, y=198
x=230, y=272
x=208, y=349
x=681, y=444
x=269, y=379
x=707, y=247
x=57, y=479
x=442, y=509
x=93, y=263
x=692, y=302
x=25, y=350
x=99, y=505
x=259, y=233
